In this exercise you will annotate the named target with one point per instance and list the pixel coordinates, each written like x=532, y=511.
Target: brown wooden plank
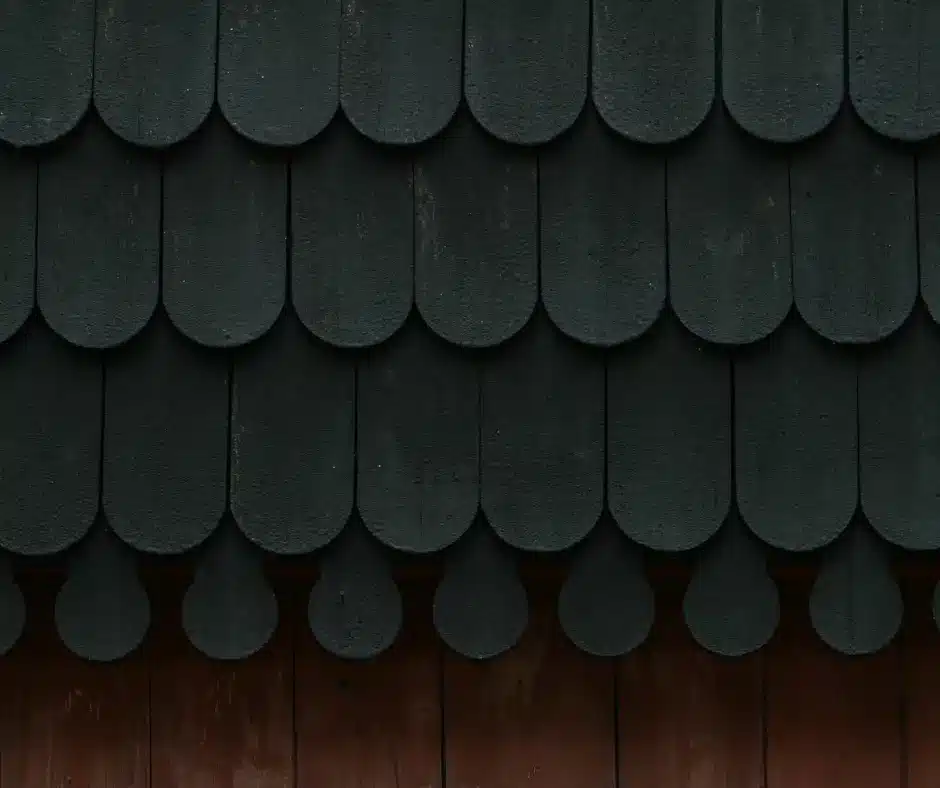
x=67, y=722
x=215, y=723
x=831, y=720
x=374, y=724
x=541, y=715
x=920, y=647
x=688, y=719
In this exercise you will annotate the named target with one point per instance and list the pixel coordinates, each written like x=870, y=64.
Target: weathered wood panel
x=687, y=718
x=831, y=720
x=376, y=723
x=67, y=723
x=540, y=715
x=215, y=723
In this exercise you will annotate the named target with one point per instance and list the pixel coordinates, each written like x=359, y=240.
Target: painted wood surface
x=544, y=714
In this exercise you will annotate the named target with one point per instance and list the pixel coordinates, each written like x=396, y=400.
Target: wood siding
x=542, y=716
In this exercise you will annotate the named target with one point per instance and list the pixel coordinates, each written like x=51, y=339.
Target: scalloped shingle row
x=248, y=328
x=280, y=70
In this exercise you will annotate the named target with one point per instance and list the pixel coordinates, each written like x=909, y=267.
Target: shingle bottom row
x=606, y=604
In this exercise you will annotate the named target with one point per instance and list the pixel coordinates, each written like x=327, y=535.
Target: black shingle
x=229, y=611
x=525, y=64
x=278, y=73
x=46, y=62
x=729, y=234
x=98, y=242
x=352, y=228
x=418, y=441
x=481, y=608
x=12, y=608
x=732, y=605
x=856, y=605
x=783, y=74
x=50, y=441
x=292, y=441
x=603, y=241
x=354, y=279
x=606, y=606
x=796, y=438
x=854, y=233
x=542, y=480
x=400, y=76
x=355, y=608
x=669, y=438
x=476, y=236
x=224, y=237
x=155, y=66
x=653, y=66
x=18, y=244
x=894, y=67
x=166, y=427
x=899, y=463
x=102, y=612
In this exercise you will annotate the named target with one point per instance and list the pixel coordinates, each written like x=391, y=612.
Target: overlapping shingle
x=344, y=281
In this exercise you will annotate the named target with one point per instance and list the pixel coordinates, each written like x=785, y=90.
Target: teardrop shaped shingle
x=355, y=608
x=856, y=605
x=732, y=605
x=12, y=608
x=102, y=611
x=229, y=611
x=606, y=605
x=481, y=607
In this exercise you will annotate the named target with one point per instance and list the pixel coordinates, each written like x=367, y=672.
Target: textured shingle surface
x=348, y=280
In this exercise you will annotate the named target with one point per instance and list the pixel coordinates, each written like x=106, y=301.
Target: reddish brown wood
x=831, y=720
x=67, y=722
x=540, y=716
x=377, y=723
x=688, y=719
x=220, y=724
x=920, y=646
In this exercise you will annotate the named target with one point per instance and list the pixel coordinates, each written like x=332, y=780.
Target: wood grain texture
x=214, y=723
x=541, y=715
x=687, y=718
x=831, y=721
x=920, y=647
x=376, y=723
x=69, y=723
